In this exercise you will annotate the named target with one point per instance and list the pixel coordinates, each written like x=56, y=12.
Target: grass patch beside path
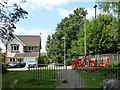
x=93, y=79
x=23, y=82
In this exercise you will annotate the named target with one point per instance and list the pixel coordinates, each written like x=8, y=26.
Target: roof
x=30, y=40
x=0, y=49
x=3, y=55
x=31, y=54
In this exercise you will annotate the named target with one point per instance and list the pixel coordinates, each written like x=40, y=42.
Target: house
x=23, y=48
x=2, y=55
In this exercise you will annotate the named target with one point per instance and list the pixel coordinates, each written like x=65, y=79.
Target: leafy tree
x=115, y=8
x=9, y=16
x=107, y=29
x=72, y=28
x=68, y=28
x=44, y=59
x=109, y=6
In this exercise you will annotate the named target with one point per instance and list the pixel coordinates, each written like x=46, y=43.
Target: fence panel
x=113, y=58
x=93, y=79
x=47, y=72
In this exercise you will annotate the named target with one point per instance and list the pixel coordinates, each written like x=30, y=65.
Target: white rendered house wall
x=14, y=41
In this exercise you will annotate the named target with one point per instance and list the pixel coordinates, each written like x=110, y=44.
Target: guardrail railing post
x=66, y=72
x=75, y=77
x=29, y=71
x=98, y=60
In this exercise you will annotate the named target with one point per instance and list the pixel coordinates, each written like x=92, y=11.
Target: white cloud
x=91, y=13
x=47, y=4
x=65, y=13
x=33, y=4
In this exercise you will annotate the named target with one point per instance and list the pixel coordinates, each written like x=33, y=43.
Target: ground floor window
x=36, y=59
x=20, y=59
x=12, y=59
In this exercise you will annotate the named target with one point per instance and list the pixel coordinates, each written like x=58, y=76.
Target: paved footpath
x=73, y=80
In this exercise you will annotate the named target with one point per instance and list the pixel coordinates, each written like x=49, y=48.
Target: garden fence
x=48, y=72
x=112, y=57
x=93, y=79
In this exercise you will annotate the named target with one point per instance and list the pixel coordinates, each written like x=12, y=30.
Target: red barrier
x=76, y=63
x=103, y=61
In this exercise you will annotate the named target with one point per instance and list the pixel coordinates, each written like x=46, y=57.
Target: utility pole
x=85, y=33
x=39, y=50
x=95, y=35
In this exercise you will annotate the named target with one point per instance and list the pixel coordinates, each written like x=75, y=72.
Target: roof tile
x=30, y=40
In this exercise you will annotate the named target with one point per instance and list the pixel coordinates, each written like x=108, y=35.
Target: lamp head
x=95, y=6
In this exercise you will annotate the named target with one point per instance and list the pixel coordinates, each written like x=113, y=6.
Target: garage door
x=29, y=59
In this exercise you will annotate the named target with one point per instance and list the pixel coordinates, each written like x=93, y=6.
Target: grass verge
x=93, y=79
x=23, y=82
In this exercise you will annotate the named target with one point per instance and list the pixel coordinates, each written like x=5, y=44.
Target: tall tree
x=109, y=7
x=9, y=15
x=68, y=28
x=72, y=28
x=112, y=7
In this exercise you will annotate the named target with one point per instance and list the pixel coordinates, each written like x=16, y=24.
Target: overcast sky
x=44, y=15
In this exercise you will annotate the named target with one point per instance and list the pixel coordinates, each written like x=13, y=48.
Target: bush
x=4, y=68
x=43, y=59
x=115, y=64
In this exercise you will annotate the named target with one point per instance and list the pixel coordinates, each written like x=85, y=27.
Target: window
x=20, y=59
x=15, y=47
x=30, y=48
x=12, y=59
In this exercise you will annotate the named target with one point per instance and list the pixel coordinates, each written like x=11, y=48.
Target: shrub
x=115, y=64
x=4, y=68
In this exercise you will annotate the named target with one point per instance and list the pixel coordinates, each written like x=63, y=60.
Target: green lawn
x=93, y=79
x=23, y=82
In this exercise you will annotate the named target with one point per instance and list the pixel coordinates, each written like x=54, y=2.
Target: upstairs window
x=14, y=47
x=30, y=48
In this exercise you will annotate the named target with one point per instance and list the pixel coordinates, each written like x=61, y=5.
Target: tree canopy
x=72, y=28
x=9, y=15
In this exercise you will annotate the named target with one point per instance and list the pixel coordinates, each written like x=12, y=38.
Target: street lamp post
x=65, y=64
x=64, y=51
x=85, y=33
x=95, y=35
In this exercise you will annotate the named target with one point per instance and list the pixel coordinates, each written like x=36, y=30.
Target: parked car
x=32, y=64
x=13, y=65
x=22, y=64
x=16, y=64
x=6, y=63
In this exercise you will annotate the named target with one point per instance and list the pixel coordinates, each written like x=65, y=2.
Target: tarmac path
x=73, y=80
